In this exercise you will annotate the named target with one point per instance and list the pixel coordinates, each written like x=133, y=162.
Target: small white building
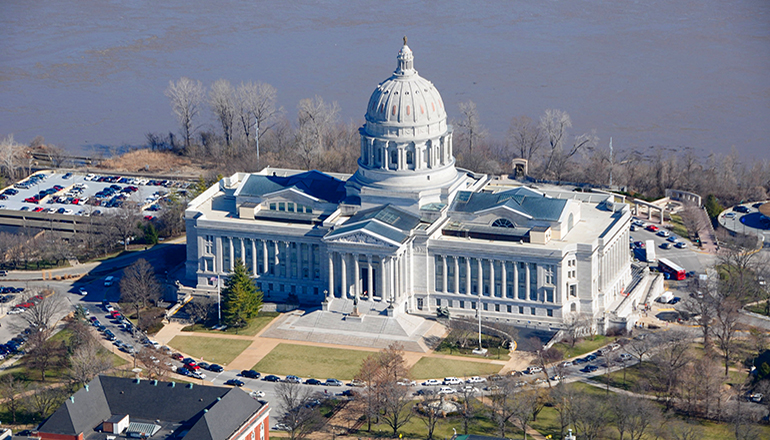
x=411, y=232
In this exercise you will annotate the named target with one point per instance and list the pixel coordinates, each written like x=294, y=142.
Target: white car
x=533, y=370
x=556, y=378
x=406, y=383
x=476, y=379
x=257, y=394
x=452, y=381
x=83, y=291
x=680, y=245
x=625, y=356
x=470, y=389
x=197, y=375
x=663, y=233
x=447, y=390
x=566, y=364
x=431, y=382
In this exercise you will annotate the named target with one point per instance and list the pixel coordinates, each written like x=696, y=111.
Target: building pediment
x=292, y=194
x=364, y=238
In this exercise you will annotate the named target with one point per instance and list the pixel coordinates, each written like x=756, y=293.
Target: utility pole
x=612, y=160
x=256, y=137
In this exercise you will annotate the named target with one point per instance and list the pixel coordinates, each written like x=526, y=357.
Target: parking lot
x=88, y=194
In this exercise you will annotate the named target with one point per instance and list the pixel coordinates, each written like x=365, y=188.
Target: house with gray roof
x=409, y=232
x=119, y=407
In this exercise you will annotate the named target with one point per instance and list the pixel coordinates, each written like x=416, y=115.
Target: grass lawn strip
x=309, y=361
x=254, y=326
x=584, y=346
x=213, y=350
x=430, y=368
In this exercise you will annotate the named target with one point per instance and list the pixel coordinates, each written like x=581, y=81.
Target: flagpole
x=219, y=301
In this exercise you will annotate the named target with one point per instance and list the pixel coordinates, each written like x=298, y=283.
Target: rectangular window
x=449, y=303
x=419, y=303
x=272, y=206
x=462, y=275
x=225, y=254
x=462, y=304
x=439, y=265
x=438, y=302
x=548, y=274
x=549, y=295
x=486, y=306
x=270, y=287
x=450, y=271
x=473, y=305
x=281, y=206
x=549, y=312
x=209, y=244
x=573, y=290
x=522, y=281
x=315, y=290
x=531, y=310
x=509, y=308
x=281, y=287
x=521, y=310
x=290, y=207
x=497, y=307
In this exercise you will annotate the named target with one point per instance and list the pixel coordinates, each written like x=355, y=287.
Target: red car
x=177, y=356
x=38, y=209
x=192, y=367
x=652, y=228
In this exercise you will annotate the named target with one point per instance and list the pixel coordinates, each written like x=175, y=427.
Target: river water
x=677, y=73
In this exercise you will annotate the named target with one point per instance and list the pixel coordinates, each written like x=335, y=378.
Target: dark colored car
x=589, y=368
x=183, y=371
x=742, y=209
x=216, y=368
x=235, y=382
x=177, y=356
x=251, y=374
x=313, y=382
x=272, y=378
x=204, y=365
x=424, y=392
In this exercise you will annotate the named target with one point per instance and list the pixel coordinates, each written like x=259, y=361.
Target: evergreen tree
x=241, y=300
x=713, y=207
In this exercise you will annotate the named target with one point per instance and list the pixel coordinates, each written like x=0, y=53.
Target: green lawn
x=254, y=326
x=430, y=368
x=677, y=226
x=584, y=346
x=491, y=343
x=215, y=350
x=308, y=361
x=635, y=376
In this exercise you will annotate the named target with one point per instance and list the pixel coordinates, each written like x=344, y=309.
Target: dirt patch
x=151, y=161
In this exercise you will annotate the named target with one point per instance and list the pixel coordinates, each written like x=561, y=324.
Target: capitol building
x=409, y=232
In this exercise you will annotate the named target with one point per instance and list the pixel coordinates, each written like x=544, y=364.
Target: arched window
x=503, y=223
x=394, y=157
x=409, y=158
x=573, y=307
x=570, y=222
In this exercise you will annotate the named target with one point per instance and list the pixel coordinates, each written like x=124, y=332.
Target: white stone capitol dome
x=405, y=100
x=406, y=143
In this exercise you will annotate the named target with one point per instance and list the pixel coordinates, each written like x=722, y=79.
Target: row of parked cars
x=136, y=181
x=30, y=181
x=24, y=305
x=14, y=345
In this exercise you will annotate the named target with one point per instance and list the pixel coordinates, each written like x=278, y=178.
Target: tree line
x=240, y=115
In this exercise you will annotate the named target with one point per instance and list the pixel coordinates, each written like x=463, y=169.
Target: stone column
x=276, y=260
x=457, y=274
x=492, y=283
x=504, y=278
x=254, y=257
x=515, y=279
x=330, y=293
x=344, y=275
x=526, y=282
x=219, y=254
x=467, y=276
x=243, y=251
x=265, y=257
x=445, y=284
x=370, y=278
x=356, y=278
x=232, y=254
x=480, y=277
x=391, y=279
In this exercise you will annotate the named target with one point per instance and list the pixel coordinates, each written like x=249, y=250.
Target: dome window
x=434, y=106
x=394, y=110
x=382, y=107
x=408, y=110
x=503, y=223
x=422, y=110
x=395, y=93
x=406, y=93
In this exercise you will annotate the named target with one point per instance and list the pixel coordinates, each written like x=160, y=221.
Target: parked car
x=476, y=379
x=272, y=378
x=652, y=228
x=313, y=382
x=446, y=390
x=251, y=374
x=452, y=381
x=292, y=379
x=431, y=382
x=235, y=382
x=663, y=233
x=680, y=245
x=217, y=368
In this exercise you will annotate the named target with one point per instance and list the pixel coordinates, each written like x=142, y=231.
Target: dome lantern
x=405, y=61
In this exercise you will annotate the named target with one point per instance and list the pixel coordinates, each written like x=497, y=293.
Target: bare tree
x=87, y=362
x=526, y=404
x=395, y=404
x=42, y=401
x=590, y=416
x=200, y=309
x=257, y=103
x=467, y=408
x=642, y=346
x=526, y=137
x=632, y=415
x=672, y=356
x=682, y=431
x=44, y=315
x=124, y=223
x=502, y=404
x=43, y=354
x=368, y=374
x=11, y=391
x=315, y=119
x=156, y=363
x=222, y=101
x=576, y=325
x=186, y=96
x=10, y=154
x=562, y=397
x=555, y=124
x=138, y=286
x=429, y=413
x=725, y=325
x=469, y=125
x=299, y=415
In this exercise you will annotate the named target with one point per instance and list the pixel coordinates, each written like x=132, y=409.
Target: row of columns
x=614, y=260
x=439, y=153
x=392, y=276
x=444, y=287
x=264, y=267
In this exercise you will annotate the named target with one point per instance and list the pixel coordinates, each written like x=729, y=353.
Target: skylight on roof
x=464, y=196
x=387, y=217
